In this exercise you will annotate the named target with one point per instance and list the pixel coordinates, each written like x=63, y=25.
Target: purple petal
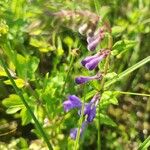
x=93, y=63
x=72, y=102
x=95, y=98
x=92, y=46
x=90, y=111
x=81, y=80
x=73, y=132
x=95, y=40
x=89, y=58
x=91, y=114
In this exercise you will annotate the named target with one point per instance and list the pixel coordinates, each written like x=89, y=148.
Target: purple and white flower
x=95, y=40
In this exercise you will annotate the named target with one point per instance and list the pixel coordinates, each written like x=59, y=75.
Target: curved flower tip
x=89, y=58
x=84, y=79
x=72, y=102
x=73, y=132
x=91, y=62
x=95, y=40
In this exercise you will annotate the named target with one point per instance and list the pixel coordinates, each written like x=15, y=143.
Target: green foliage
x=107, y=120
x=108, y=97
x=14, y=103
x=145, y=144
x=42, y=49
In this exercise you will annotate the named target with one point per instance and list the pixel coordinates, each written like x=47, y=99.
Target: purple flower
x=90, y=111
x=72, y=102
x=91, y=62
x=94, y=40
x=84, y=79
x=89, y=58
x=90, y=108
x=73, y=132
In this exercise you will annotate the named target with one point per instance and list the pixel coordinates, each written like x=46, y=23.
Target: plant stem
x=127, y=71
x=80, y=124
x=18, y=91
x=110, y=43
x=79, y=128
x=131, y=93
x=66, y=79
x=99, y=130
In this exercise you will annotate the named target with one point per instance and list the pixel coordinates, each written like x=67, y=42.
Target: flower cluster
x=90, y=63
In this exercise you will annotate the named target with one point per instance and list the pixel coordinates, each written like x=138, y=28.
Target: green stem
x=18, y=91
x=66, y=79
x=80, y=125
x=99, y=130
x=106, y=66
x=79, y=128
x=128, y=71
x=131, y=93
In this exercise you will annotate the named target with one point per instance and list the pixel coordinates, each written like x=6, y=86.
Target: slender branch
x=131, y=93
x=80, y=124
x=79, y=128
x=19, y=92
x=106, y=66
x=66, y=79
x=127, y=71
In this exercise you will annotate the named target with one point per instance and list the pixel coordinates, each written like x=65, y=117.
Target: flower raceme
x=84, y=79
x=89, y=108
x=91, y=62
x=89, y=111
x=95, y=40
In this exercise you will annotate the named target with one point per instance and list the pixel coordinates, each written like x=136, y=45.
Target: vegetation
x=74, y=74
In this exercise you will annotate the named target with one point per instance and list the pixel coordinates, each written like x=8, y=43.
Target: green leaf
x=19, y=82
x=107, y=120
x=90, y=94
x=117, y=30
x=145, y=144
x=2, y=72
x=60, y=50
x=39, y=113
x=110, y=75
x=3, y=27
x=12, y=100
x=25, y=116
x=122, y=46
x=21, y=66
x=108, y=97
x=97, y=6
x=12, y=109
x=32, y=66
x=42, y=45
